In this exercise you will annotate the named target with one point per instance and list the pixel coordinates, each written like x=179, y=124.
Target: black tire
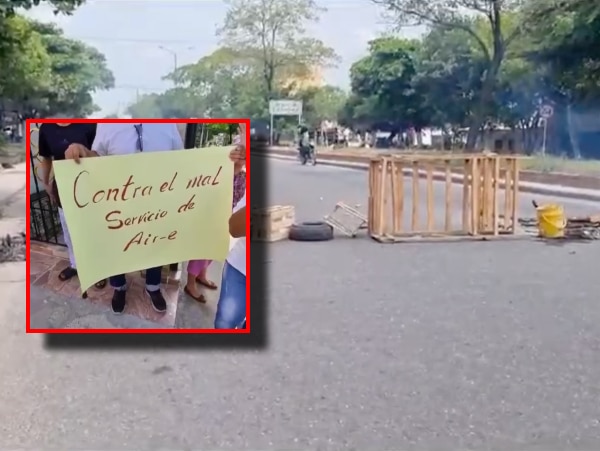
x=311, y=231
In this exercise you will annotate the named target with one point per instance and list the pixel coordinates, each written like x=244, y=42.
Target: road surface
x=487, y=345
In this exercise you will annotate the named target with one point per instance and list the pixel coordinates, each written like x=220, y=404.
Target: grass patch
x=556, y=164
x=546, y=164
x=11, y=153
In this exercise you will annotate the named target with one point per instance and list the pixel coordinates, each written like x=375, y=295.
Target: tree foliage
x=44, y=71
x=467, y=16
x=8, y=7
x=484, y=64
x=271, y=34
x=264, y=52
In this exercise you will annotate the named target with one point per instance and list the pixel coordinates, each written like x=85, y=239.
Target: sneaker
x=118, y=301
x=158, y=301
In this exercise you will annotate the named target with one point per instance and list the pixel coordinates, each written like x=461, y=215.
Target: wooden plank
x=382, y=196
x=495, y=212
x=515, y=194
x=448, y=197
x=507, y=195
x=400, y=181
x=475, y=193
x=466, y=224
x=430, y=199
x=415, y=196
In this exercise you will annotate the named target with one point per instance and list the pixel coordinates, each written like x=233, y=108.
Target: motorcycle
x=307, y=153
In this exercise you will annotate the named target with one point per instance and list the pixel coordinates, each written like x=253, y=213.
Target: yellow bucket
x=551, y=221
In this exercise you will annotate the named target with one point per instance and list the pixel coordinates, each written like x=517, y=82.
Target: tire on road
x=311, y=231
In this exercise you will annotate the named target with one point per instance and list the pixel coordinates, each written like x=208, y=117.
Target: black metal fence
x=44, y=222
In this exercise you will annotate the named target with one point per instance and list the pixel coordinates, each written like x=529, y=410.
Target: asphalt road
x=487, y=345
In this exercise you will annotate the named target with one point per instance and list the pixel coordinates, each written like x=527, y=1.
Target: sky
x=139, y=37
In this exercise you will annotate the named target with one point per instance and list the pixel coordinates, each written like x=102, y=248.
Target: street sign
x=285, y=107
x=546, y=111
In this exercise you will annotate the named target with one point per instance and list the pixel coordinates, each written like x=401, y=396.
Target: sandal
x=206, y=283
x=200, y=298
x=67, y=274
x=100, y=285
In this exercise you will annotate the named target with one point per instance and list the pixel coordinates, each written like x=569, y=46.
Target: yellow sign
x=131, y=212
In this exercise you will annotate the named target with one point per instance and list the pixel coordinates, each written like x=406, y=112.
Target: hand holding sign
x=76, y=151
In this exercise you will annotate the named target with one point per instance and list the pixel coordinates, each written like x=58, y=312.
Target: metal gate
x=44, y=222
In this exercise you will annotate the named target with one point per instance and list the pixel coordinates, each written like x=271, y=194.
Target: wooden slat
x=515, y=194
x=448, y=197
x=466, y=202
x=475, y=194
x=507, y=195
x=496, y=182
x=383, y=194
x=430, y=199
x=415, y=196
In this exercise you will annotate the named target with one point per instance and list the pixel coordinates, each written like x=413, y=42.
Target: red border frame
x=28, y=328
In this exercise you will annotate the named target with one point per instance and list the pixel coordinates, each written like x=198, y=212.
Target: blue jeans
x=231, y=309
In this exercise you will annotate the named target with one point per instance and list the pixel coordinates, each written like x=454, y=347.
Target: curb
x=455, y=178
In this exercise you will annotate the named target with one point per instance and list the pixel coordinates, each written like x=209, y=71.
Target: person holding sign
x=54, y=139
x=231, y=309
x=197, y=269
x=123, y=139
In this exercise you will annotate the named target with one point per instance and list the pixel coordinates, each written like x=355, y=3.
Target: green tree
x=467, y=16
x=77, y=71
x=384, y=93
x=25, y=63
x=566, y=51
x=322, y=103
x=272, y=34
x=8, y=7
x=223, y=84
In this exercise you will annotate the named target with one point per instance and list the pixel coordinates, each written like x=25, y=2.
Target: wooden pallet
x=346, y=219
x=271, y=223
x=490, y=185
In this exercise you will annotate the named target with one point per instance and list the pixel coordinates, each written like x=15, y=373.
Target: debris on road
x=271, y=223
x=346, y=219
x=12, y=248
x=311, y=231
x=585, y=228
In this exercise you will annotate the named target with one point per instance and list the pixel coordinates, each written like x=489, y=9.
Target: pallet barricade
x=480, y=196
x=271, y=223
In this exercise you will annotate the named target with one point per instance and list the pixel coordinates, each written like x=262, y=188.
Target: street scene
x=471, y=345
x=425, y=226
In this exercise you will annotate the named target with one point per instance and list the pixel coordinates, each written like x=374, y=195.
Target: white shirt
x=237, y=254
x=122, y=139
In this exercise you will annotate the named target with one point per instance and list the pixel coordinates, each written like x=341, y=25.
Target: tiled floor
x=47, y=261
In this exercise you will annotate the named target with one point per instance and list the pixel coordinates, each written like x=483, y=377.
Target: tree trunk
x=489, y=82
x=485, y=97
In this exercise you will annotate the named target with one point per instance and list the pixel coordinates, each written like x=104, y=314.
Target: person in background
x=54, y=140
x=197, y=269
x=124, y=139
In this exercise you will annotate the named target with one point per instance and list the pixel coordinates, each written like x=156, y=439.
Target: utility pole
x=173, y=53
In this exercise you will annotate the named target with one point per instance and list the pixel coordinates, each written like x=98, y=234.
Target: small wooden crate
x=272, y=223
